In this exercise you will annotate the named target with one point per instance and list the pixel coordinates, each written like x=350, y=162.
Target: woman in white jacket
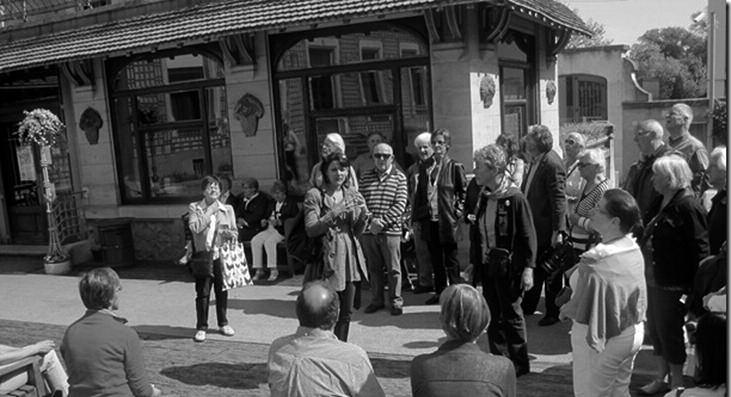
x=608, y=301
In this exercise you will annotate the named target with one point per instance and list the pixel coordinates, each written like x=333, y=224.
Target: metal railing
x=14, y=12
x=69, y=217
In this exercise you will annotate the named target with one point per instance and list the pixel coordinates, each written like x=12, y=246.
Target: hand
x=471, y=218
x=573, y=219
x=155, y=391
x=45, y=346
x=264, y=223
x=340, y=208
x=376, y=225
x=526, y=281
x=555, y=238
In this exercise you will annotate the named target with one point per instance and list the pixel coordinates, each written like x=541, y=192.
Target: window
x=517, y=82
x=585, y=98
x=321, y=87
x=370, y=82
x=170, y=126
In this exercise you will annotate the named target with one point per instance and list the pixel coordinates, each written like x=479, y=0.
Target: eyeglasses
x=382, y=156
x=570, y=142
x=642, y=132
x=582, y=165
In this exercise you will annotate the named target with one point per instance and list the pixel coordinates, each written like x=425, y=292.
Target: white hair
x=595, y=156
x=424, y=137
x=718, y=156
x=337, y=140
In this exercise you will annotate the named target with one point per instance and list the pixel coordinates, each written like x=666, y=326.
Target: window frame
x=141, y=132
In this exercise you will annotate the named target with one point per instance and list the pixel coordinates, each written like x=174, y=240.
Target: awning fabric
x=210, y=21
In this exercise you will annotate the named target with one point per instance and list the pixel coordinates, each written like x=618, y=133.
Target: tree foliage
x=597, y=39
x=676, y=57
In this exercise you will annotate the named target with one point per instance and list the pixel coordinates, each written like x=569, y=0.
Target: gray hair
x=578, y=137
x=337, y=140
x=653, y=126
x=595, y=156
x=464, y=315
x=676, y=168
x=687, y=112
x=493, y=155
x=423, y=137
x=718, y=156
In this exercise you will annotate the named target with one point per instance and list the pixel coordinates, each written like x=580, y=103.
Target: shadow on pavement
x=390, y=368
x=420, y=320
x=270, y=307
x=553, y=381
x=424, y=344
x=230, y=376
x=163, y=332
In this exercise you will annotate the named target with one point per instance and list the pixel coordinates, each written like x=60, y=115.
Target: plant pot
x=57, y=267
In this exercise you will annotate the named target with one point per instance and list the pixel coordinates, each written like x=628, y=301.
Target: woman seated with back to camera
x=459, y=367
x=608, y=301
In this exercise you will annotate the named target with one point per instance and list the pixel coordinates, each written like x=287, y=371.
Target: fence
x=69, y=217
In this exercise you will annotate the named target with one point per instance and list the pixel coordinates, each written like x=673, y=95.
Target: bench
x=34, y=385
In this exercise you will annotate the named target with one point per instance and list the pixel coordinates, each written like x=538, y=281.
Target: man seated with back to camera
x=313, y=362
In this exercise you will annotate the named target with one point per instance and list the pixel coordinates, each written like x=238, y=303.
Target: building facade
x=157, y=94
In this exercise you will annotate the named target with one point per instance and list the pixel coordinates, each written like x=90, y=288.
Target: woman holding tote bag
x=211, y=222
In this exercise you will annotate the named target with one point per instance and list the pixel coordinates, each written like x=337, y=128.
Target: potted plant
x=43, y=128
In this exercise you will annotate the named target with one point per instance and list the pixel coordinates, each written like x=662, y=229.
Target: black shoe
x=397, y=311
x=548, y=320
x=434, y=300
x=419, y=289
x=520, y=371
x=373, y=308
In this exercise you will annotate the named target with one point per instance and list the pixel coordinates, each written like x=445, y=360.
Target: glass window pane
x=296, y=159
x=175, y=161
x=514, y=120
x=127, y=148
x=415, y=106
x=168, y=107
x=218, y=131
x=349, y=48
x=163, y=71
x=349, y=90
x=513, y=84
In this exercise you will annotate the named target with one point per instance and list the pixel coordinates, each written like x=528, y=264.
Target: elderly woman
x=335, y=214
x=252, y=210
x=459, y=367
x=506, y=245
x=211, y=224
x=608, y=302
x=591, y=168
x=333, y=142
x=717, y=221
x=573, y=145
x=675, y=241
x=103, y=356
x=515, y=165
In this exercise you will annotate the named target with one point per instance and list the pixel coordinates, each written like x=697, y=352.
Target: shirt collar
x=315, y=332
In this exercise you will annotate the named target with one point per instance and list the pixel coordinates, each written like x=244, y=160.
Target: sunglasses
x=382, y=156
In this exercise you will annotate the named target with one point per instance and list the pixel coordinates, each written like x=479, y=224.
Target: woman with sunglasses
x=608, y=301
x=591, y=168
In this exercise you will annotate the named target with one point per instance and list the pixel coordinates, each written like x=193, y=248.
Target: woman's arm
x=315, y=224
x=14, y=354
x=135, y=370
x=198, y=220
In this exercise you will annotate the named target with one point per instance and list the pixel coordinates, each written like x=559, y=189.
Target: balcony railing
x=16, y=12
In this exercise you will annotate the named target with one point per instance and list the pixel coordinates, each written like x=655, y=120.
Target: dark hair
x=711, y=346
x=209, y=180
x=98, y=288
x=621, y=204
x=323, y=316
x=443, y=132
x=510, y=144
x=251, y=182
x=542, y=136
x=336, y=156
x=227, y=178
x=279, y=186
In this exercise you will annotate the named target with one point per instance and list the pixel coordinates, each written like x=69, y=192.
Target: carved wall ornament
x=248, y=111
x=550, y=91
x=90, y=122
x=487, y=90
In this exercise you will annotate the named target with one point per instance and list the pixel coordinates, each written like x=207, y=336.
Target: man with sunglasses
x=384, y=190
x=649, y=139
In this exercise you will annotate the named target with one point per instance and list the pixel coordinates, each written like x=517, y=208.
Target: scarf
x=486, y=223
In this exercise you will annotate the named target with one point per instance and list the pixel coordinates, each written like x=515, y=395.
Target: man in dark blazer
x=544, y=187
x=227, y=196
x=252, y=210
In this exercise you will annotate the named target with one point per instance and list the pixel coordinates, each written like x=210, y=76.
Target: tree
x=676, y=57
x=597, y=38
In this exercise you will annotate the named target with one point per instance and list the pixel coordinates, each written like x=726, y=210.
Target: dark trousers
x=443, y=259
x=665, y=321
x=203, y=298
x=533, y=295
x=347, y=296
x=507, y=331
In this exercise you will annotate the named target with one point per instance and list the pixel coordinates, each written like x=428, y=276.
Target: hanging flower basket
x=40, y=126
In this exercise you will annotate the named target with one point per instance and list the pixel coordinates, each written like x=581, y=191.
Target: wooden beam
x=431, y=26
x=452, y=23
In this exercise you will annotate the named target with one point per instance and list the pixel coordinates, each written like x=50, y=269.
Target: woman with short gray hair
x=459, y=367
x=591, y=168
x=676, y=240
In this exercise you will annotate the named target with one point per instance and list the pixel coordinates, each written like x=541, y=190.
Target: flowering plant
x=39, y=126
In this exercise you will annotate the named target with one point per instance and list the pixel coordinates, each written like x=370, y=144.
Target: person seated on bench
x=283, y=208
x=252, y=210
x=53, y=373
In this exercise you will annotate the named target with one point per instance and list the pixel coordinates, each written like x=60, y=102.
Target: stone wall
x=158, y=239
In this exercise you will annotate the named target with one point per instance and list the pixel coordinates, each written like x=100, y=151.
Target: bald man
x=313, y=362
x=649, y=139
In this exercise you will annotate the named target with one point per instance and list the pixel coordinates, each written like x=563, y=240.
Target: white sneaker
x=226, y=330
x=273, y=275
x=200, y=336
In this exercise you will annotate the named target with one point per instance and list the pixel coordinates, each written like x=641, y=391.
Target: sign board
x=26, y=162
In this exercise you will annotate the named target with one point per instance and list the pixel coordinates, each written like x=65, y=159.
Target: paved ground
x=158, y=302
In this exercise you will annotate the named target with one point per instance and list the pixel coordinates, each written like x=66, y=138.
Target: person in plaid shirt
x=384, y=190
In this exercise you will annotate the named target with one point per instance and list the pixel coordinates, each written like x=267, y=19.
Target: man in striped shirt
x=384, y=190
